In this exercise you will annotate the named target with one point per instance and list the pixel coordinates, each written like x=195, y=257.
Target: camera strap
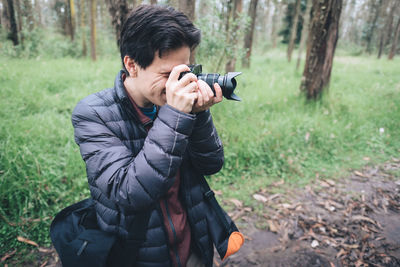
x=210, y=197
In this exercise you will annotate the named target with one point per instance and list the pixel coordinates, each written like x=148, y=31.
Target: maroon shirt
x=174, y=215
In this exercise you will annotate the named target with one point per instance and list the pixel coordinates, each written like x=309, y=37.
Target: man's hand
x=181, y=94
x=205, y=96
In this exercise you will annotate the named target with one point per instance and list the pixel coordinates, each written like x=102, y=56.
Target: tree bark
x=293, y=31
x=375, y=6
x=322, y=38
x=38, y=11
x=173, y=3
x=188, y=8
x=248, y=40
x=395, y=41
x=20, y=21
x=83, y=27
x=233, y=38
x=119, y=11
x=304, y=31
x=13, y=35
x=386, y=32
x=93, y=29
x=28, y=14
x=153, y=2
x=71, y=18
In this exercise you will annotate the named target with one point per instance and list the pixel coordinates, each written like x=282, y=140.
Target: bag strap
x=210, y=197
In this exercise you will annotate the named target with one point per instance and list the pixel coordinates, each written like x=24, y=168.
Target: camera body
x=227, y=82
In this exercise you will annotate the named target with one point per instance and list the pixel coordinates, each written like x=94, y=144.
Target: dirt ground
x=353, y=221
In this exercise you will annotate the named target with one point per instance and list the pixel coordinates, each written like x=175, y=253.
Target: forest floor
x=352, y=221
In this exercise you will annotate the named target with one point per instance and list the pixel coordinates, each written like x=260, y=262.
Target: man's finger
x=218, y=93
x=187, y=79
x=205, y=89
x=176, y=71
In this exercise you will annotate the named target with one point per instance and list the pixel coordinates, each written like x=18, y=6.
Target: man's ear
x=130, y=66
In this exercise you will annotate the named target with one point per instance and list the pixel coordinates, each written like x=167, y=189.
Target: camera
x=227, y=82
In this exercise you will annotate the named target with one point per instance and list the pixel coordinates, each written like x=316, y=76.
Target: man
x=148, y=141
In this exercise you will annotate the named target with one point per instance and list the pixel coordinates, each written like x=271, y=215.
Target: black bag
x=80, y=242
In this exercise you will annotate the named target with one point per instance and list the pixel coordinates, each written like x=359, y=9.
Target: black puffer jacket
x=129, y=169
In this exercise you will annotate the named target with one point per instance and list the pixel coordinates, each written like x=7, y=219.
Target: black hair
x=152, y=28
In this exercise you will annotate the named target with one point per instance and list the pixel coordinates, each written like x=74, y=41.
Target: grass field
x=272, y=134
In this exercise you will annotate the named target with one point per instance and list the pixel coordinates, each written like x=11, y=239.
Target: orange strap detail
x=235, y=242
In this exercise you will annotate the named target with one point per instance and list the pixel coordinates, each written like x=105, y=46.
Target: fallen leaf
x=280, y=182
x=218, y=192
x=273, y=226
x=45, y=250
x=43, y=264
x=260, y=198
x=27, y=241
x=236, y=202
x=363, y=218
x=9, y=255
x=360, y=174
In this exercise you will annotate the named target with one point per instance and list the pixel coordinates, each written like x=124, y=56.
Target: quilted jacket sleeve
x=134, y=182
x=205, y=147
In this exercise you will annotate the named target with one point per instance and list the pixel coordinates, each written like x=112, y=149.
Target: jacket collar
x=127, y=101
x=122, y=94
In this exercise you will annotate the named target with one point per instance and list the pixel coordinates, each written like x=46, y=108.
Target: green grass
x=264, y=135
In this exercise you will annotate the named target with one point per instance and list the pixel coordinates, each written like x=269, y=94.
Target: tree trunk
x=28, y=14
x=20, y=21
x=38, y=11
x=375, y=10
x=304, y=31
x=153, y=2
x=72, y=18
x=322, y=38
x=93, y=29
x=13, y=35
x=387, y=30
x=383, y=19
x=233, y=38
x=173, y=3
x=248, y=39
x=118, y=11
x=188, y=8
x=395, y=41
x=83, y=27
x=293, y=31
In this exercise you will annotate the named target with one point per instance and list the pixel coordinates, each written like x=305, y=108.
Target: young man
x=148, y=141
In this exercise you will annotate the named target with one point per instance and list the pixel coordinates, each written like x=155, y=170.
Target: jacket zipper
x=174, y=234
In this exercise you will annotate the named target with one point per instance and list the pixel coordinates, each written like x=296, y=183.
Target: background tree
x=248, y=39
x=304, y=31
x=369, y=30
x=276, y=18
x=321, y=47
x=188, y=8
x=395, y=40
x=83, y=27
x=118, y=10
x=38, y=10
x=93, y=29
x=9, y=16
x=293, y=30
x=28, y=14
x=387, y=30
x=233, y=37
